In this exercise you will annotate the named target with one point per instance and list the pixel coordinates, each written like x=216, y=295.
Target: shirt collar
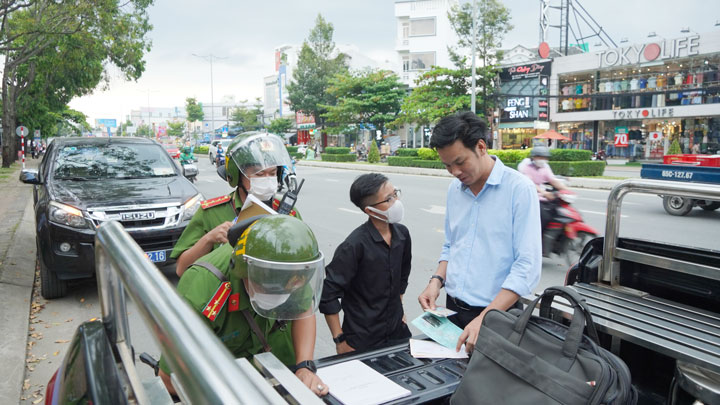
x=375, y=234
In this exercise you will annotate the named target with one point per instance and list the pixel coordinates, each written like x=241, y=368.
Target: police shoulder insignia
x=215, y=202
x=217, y=302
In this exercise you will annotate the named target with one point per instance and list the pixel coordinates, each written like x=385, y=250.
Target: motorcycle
x=189, y=168
x=220, y=157
x=600, y=155
x=566, y=234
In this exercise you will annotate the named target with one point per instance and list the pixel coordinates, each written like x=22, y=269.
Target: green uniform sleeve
x=192, y=233
x=196, y=288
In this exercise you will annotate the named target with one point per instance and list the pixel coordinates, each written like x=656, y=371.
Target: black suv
x=82, y=182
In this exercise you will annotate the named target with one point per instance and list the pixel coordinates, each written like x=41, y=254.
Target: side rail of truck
x=100, y=366
x=656, y=305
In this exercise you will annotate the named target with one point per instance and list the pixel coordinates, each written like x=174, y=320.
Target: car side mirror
x=30, y=176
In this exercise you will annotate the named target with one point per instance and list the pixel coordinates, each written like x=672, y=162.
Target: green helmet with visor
x=248, y=155
x=279, y=257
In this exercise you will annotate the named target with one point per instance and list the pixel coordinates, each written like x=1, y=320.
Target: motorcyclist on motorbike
x=186, y=155
x=539, y=171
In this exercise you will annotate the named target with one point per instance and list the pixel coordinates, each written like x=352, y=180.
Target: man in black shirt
x=369, y=271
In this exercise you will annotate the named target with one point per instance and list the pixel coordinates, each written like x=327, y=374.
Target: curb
x=576, y=182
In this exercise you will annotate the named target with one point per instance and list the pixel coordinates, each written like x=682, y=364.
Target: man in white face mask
x=539, y=171
x=369, y=272
x=254, y=163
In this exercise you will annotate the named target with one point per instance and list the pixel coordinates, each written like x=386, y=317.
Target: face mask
x=394, y=214
x=269, y=301
x=263, y=187
x=540, y=163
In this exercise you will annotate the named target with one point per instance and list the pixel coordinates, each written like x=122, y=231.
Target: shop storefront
x=522, y=114
x=643, y=96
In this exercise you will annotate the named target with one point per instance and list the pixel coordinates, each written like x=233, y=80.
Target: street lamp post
x=474, y=51
x=212, y=97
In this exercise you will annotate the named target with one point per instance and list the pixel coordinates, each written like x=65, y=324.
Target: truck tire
x=708, y=205
x=50, y=285
x=676, y=205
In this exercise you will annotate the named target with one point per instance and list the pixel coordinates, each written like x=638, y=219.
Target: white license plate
x=156, y=256
x=143, y=215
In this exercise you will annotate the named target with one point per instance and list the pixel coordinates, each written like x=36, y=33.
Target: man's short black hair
x=464, y=126
x=364, y=187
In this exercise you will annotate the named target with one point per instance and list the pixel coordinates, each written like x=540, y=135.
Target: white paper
x=354, y=383
x=427, y=349
x=251, y=199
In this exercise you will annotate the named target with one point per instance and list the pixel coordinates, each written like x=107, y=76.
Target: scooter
x=189, y=168
x=600, y=155
x=220, y=158
x=566, y=234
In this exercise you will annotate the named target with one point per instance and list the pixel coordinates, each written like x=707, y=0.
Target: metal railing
x=204, y=371
x=610, y=269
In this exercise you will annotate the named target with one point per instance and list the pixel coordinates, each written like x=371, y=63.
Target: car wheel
x=676, y=205
x=576, y=246
x=50, y=285
x=708, y=205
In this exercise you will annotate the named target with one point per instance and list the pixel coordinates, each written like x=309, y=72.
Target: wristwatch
x=442, y=280
x=308, y=364
x=339, y=338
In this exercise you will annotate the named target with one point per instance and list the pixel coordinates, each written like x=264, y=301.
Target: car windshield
x=112, y=161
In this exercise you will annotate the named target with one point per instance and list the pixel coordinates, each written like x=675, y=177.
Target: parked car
x=83, y=182
x=172, y=150
x=212, y=150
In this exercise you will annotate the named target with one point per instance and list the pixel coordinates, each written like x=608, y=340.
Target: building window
x=405, y=63
x=405, y=30
x=422, y=27
x=422, y=60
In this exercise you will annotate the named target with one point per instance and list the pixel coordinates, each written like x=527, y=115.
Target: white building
x=157, y=117
x=423, y=35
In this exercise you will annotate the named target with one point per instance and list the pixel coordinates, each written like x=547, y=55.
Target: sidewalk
x=17, y=272
x=578, y=182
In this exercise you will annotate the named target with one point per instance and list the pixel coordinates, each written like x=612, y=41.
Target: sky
x=241, y=35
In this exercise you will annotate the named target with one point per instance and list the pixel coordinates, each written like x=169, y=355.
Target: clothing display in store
x=578, y=89
x=642, y=82
x=566, y=104
x=617, y=86
x=608, y=87
x=699, y=78
x=678, y=79
x=578, y=103
x=586, y=88
x=634, y=84
x=661, y=80
x=624, y=85
x=652, y=82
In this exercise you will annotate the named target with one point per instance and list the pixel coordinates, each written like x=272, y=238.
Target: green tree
x=675, y=148
x=439, y=92
x=176, y=129
x=46, y=40
x=365, y=97
x=144, y=130
x=280, y=125
x=318, y=63
x=373, y=153
x=193, y=109
x=247, y=117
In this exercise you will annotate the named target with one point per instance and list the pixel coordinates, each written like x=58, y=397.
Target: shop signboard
x=517, y=109
x=655, y=135
x=643, y=53
x=525, y=71
x=621, y=137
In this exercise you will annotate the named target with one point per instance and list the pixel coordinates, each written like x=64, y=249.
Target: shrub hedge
x=412, y=161
x=570, y=155
x=291, y=149
x=510, y=155
x=201, y=150
x=329, y=157
x=575, y=168
x=407, y=152
x=298, y=155
x=428, y=154
x=334, y=150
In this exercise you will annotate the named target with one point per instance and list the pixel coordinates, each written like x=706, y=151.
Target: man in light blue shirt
x=492, y=253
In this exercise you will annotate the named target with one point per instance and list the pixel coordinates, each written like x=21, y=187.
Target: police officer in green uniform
x=253, y=165
x=245, y=290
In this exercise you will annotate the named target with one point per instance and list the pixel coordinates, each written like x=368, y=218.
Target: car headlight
x=191, y=206
x=66, y=215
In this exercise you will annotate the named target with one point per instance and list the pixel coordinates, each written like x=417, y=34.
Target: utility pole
x=474, y=51
x=212, y=96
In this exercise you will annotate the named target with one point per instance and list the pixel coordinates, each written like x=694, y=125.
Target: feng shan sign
x=643, y=53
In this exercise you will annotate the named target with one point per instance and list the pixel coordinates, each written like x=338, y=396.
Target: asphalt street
x=325, y=205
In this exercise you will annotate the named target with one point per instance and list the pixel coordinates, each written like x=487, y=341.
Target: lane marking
x=599, y=213
x=435, y=209
x=350, y=211
x=605, y=201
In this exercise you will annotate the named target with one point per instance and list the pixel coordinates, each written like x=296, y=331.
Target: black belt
x=464, y=305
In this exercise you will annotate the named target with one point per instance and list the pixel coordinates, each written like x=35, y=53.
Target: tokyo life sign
x=643, y=53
